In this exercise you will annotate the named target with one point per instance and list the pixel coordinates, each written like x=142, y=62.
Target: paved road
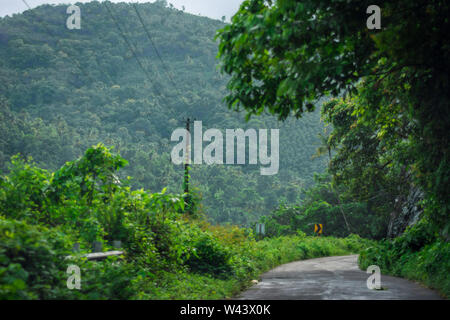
x=331, y=278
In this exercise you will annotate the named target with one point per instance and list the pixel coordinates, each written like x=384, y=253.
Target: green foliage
x=64, y=91
x=93, y=174
x=249, y=260
x=284, y=55
x=22, y=192
x=104, y=280
x=209, y=256
x=82, y=202
x=31, y=261
x=389, y=126
x=419, y=254
x=321, y=205
x=33, y=265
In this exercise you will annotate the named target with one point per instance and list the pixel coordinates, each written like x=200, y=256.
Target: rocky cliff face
x=406, y=213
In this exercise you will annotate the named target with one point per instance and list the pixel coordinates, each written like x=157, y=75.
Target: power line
x=166, y=69
x=76, y=62
x=131, y=48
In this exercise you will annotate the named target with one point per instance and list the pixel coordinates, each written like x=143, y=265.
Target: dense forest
x=66, y=90
x=86, y=119
x=388, y=148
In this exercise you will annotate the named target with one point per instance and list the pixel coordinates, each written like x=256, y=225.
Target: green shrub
x=22, y=191
x=418, y=254
x=209, y=256
x=32, y=264
x=104, y=280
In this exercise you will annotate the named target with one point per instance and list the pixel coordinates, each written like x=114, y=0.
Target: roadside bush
x=418, y=254
x=32, y=264
x=104, y=280
x=209, y=256
x=22, y=191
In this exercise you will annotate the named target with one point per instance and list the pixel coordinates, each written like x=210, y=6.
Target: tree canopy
x=284, y=55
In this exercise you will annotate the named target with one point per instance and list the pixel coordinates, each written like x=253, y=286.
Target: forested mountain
x=62, y=91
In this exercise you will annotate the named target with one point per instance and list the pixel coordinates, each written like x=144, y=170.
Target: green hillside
x=62, y=91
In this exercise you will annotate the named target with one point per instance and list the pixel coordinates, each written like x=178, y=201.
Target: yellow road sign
x=318, y=228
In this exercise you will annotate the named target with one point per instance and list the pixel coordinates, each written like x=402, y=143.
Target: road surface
x=333, y=278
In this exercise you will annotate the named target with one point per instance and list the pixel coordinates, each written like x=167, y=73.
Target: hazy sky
x=210, y=8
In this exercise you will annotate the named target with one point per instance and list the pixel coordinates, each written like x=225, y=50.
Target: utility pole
x=186, y=165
